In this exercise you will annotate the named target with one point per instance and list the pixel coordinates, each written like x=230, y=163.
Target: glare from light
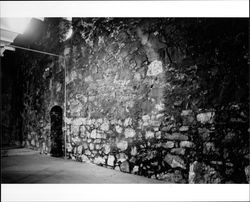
x=68, y=18
x=69, y=33
x=20, y=24
x=17, y=25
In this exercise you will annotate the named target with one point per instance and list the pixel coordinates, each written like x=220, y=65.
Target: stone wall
x=162, y=98
x=42, y=80
x=11, y=94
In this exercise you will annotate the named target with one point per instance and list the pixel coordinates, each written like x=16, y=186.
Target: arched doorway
x=56, y=131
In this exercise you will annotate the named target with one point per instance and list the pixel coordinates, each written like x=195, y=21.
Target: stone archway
x=56, y=131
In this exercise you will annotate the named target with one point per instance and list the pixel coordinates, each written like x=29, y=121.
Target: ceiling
x=9, y=29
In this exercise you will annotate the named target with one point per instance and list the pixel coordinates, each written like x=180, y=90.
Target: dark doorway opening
x=56, y=131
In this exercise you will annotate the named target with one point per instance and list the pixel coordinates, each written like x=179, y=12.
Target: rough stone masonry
x=162, y=98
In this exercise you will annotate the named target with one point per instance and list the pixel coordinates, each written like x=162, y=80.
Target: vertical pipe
x=65, y=105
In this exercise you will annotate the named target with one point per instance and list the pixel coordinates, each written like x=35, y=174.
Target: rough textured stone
x=137, y=76
x=121, y=157
x=229, y=137
x=160, y=106
x=168, y=144
x=103, y=136
x=183, y=128
x=203, y=174
x=247, y=172
x=168, y=177
x=33, y=143
x=128, y=122
x=176, y=136
x=158, y=135
x=129, y=133
x=43, y=146
x=155, y=68
x=97, y=146
x=216, y=162
x=122, y=145
x=105, y=126
x=159, y=116
x=150, y=155
x=166, y=128
x=106, y=148
x=132, y=160
x=99, y=134
x=209, y=147
x=79, y=149
x=118, y=129
x=91, y=146
x=186, y=112
x=78, y=121
x=204, y=134
x=85, y=145
x=82, y=131
x=133, y=151
x=97, y=141
x=84, y=158
x=99, y=160
x=69, y=147
x=205, y=117
x=175, y=177
x=178, y=151
x=87, y=152
x=146, y=118
x=75, y=108
x=174, y=161
x=124, y=166
x=149, y=135
x=111, y=160
x=187, y=144
x=178, y=103
x=93, y=134
x=135, y=169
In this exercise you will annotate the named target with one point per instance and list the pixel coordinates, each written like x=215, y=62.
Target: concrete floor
x=30, y=167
